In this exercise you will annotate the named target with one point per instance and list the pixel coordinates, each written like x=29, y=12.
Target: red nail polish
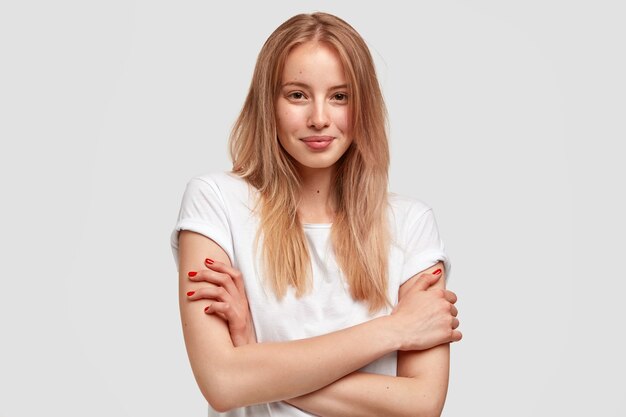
x=209, y=261
x=437, y=272
x=192, y=273
x=190, y=293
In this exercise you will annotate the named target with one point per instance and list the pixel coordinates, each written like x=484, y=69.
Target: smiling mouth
x=310, y=139
x=318, y=143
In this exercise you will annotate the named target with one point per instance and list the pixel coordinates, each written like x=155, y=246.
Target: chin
x=316, y=166
x=316, y=163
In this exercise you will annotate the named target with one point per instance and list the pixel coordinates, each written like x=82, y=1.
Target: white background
x=505, y=118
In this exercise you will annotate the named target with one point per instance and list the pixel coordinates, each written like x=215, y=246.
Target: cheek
x=342, y=119
x=287, y=119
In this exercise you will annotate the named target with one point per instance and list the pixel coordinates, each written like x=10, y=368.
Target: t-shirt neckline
x=317, y=225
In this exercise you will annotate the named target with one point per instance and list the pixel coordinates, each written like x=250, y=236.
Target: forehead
x=313, y=62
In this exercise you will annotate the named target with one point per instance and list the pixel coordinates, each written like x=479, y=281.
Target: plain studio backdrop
x=505, y=118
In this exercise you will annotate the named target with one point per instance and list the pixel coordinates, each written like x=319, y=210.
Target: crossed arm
x=419, y=389
x=232, y=376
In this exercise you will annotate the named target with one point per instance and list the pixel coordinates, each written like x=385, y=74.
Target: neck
x=317, y=203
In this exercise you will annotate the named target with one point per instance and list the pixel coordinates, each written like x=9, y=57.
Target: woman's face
x=312, y=106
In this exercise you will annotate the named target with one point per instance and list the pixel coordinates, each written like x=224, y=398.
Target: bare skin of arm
x=419, y=389
x=232, y=376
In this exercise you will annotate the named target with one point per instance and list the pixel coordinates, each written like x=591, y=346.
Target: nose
x=318, y=116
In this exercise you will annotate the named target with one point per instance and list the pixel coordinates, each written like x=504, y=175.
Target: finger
x=234, y=273
x=455, y=323
x=223, y=280
x=424, y=281
x=450, y=296
x=210, y=293
x=216, y=278
x=235, y=321
x=219, y=307
x=453, y=310
x=199, y=276
x=210, y=309
x=456, y=336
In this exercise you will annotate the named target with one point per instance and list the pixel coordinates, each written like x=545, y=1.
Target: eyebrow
x=304, y=85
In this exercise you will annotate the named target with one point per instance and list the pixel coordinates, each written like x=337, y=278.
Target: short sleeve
x=423, y=245
x=204, y=211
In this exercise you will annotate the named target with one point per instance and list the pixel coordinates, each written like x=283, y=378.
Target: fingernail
x=209, y=261
x=206, y=308
x=192, y=273
x=190, y=293
x=437, y=272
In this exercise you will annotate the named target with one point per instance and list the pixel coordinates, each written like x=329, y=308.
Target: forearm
x=267, y=372
x=364, y=394
x=231, y=377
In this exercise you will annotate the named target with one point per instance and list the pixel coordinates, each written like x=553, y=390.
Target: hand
x=229, y=299
x=427, y=316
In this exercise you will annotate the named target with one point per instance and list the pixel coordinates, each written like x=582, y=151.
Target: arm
x=418, y=390
x=230, y=376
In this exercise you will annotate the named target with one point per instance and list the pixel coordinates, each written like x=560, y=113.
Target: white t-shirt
x=220, y=207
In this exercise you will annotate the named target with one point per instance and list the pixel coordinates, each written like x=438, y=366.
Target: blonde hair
x=360, y=234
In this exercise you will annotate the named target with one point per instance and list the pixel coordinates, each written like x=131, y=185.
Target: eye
x=340, y=97
x=296, y=95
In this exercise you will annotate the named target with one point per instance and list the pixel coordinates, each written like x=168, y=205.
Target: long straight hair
x=360, y=230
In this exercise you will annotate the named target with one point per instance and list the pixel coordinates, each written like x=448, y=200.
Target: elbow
x=218, y=400
x=428, y=405
x=422, y=410
x=219, y=395
x=221, y=407
x=220, y=382
x=434, y=408
x=218, y=404
x=439, y=402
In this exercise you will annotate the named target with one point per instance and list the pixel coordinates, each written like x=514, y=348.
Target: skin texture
x=232, y=370
x=313, y=101
x=421, y=326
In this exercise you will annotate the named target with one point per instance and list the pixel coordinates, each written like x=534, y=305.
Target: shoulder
x=218, y=180
x=404, y=208
x=223, y=185
x=211, y=204
x=416, y=233
x=409, y=217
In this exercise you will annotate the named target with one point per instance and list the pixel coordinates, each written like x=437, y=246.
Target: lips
x=318, y=142
x=318, y=139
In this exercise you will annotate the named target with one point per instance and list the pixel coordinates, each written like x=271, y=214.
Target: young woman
x=305, y=287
